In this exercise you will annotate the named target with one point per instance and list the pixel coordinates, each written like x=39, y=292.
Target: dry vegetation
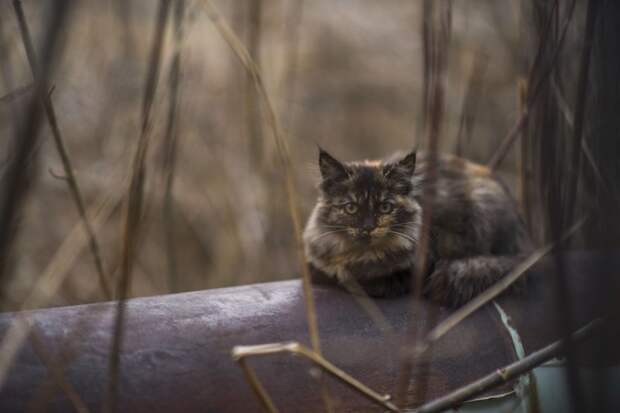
x=347, y=77
x=177, y=144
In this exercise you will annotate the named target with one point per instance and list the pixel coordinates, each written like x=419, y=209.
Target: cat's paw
x=445, y=287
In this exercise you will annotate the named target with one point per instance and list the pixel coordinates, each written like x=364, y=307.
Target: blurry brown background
x=345, y=74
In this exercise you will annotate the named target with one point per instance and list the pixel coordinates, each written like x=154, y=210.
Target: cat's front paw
x=443, y=287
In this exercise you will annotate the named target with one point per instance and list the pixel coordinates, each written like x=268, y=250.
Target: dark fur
x=476, y=234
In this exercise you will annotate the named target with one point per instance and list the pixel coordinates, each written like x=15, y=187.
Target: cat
x=366, y=226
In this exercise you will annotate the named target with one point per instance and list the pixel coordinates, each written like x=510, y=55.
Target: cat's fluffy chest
x=365, y=263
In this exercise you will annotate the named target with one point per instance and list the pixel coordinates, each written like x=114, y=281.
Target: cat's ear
x=330, y=167
x=405, y=166
x=408, y=162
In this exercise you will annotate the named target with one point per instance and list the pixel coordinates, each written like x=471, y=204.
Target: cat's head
x=368, y=202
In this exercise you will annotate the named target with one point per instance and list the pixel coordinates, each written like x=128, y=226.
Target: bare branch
x=505, y=374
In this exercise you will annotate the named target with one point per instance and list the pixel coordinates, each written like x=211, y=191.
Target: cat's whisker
x=405, y=236
x=403, y=226
x=327, y=233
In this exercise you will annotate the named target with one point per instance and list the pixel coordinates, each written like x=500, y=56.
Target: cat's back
x=471, y=208
x=457, y=177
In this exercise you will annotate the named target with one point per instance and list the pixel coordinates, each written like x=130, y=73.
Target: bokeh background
x=346, y=75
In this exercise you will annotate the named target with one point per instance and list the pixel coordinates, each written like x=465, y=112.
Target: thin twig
x=564, y=308
x=370, y=307
x=285, y=162
x=534, y=91
x=56, y=370
x=580, y=108
x=492, y=292
x=135, y=205
x=58, y=364
x=254, y=126
x=294, y=17
x=239, y=353
x=20, y=173
x=171, y=146
x=436, y=36
x=507, y=373
x=284, y=157
x=54, y=274
x=62, y=151
x=470, y=102
x=257, y=387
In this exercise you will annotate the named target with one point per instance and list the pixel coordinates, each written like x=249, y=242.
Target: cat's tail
x=455, y=282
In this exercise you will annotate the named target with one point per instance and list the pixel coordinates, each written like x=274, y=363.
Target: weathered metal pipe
x=177, y=349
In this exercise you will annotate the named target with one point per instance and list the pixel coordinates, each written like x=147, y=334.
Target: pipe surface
x=176, y=354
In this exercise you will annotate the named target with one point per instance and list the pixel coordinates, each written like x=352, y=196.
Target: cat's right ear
x=330, y=167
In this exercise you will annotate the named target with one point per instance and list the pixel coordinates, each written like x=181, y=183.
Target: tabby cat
x=367, y=221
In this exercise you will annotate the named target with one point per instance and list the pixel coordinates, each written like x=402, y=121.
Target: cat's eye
x=350, y=208
x=386, y=207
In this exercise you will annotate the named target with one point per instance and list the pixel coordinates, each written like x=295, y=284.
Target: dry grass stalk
x=370, y=307
x=56, y=371
x=436, y=26
x=580, y=108
x=240, y=353
x=285, y=161
x=135, y=204
x=470, y=103
x=59, y=268
x=20, y=171
x=288, y=87
x=283, y=155
x=254, y=124
x=54, y=275
x=535, y=86
x=567, y=113
x=257, y=387
x=505, y=374
x=523, y=167
x=171, y=148
x=62, y=151
x=561, y=211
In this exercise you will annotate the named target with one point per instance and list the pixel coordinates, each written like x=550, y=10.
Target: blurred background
x=346, y=75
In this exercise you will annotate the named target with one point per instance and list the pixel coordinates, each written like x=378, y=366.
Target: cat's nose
x=368, y=226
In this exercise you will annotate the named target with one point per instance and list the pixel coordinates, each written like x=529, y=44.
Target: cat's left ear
x=405, y=166
x=331, y=168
